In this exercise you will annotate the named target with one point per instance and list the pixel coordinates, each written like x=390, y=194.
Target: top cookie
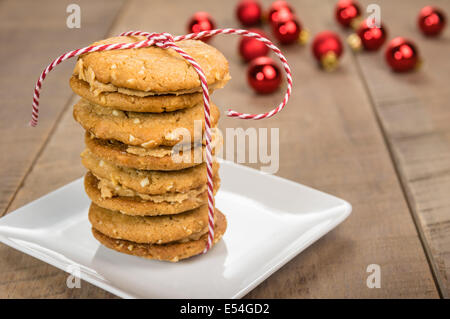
x=151, y=71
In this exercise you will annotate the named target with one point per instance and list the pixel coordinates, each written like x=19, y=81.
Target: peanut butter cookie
x=147, y=130
x=150, y=229
x=130, y=203
x=126, y=102
x=150, y=71
x=159, y=158
x=173, y=252
x=145, y=181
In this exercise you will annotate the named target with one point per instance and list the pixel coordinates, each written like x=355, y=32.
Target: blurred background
x=376, y=138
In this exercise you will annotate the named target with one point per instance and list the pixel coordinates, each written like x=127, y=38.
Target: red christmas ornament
x=201, y=21
x=327, y=48
x=279, y=10
x=431, y=21
x=347, y=12
x=402, y=55
x=368, y=36
x=249, y=12
x=289, y=30
x=263, y=75
x=250, y=48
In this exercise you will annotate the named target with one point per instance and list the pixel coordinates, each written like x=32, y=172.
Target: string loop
x=167, y=41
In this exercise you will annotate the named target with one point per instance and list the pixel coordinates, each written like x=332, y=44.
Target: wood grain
x=414, y=113
x=329, y=139
x=36, y=32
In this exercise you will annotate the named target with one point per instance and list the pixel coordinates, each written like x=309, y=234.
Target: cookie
x=150, y=229
x=159, y=158
x=152, y=70
x=168, y=252
x=145, y=181
x=148, y=130
x=137, y=206
x=125, y=102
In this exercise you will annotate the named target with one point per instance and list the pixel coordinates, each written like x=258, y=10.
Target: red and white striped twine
x=167, y=41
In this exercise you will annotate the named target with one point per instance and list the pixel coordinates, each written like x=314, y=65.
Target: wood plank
x=414, y=113
x=35, y=32
x=329, y=139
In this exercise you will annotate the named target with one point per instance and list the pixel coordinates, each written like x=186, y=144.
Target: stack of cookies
x=138, y=106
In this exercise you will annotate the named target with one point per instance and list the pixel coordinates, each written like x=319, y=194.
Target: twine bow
x=167, y=41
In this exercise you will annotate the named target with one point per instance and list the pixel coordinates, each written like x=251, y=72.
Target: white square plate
x=270, y=220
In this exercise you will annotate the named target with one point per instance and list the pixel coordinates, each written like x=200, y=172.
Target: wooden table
x=377, y=139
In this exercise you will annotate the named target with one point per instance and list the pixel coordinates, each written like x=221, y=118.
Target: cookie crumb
x=149, y=143
x=145, y=182
x=171, y=136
